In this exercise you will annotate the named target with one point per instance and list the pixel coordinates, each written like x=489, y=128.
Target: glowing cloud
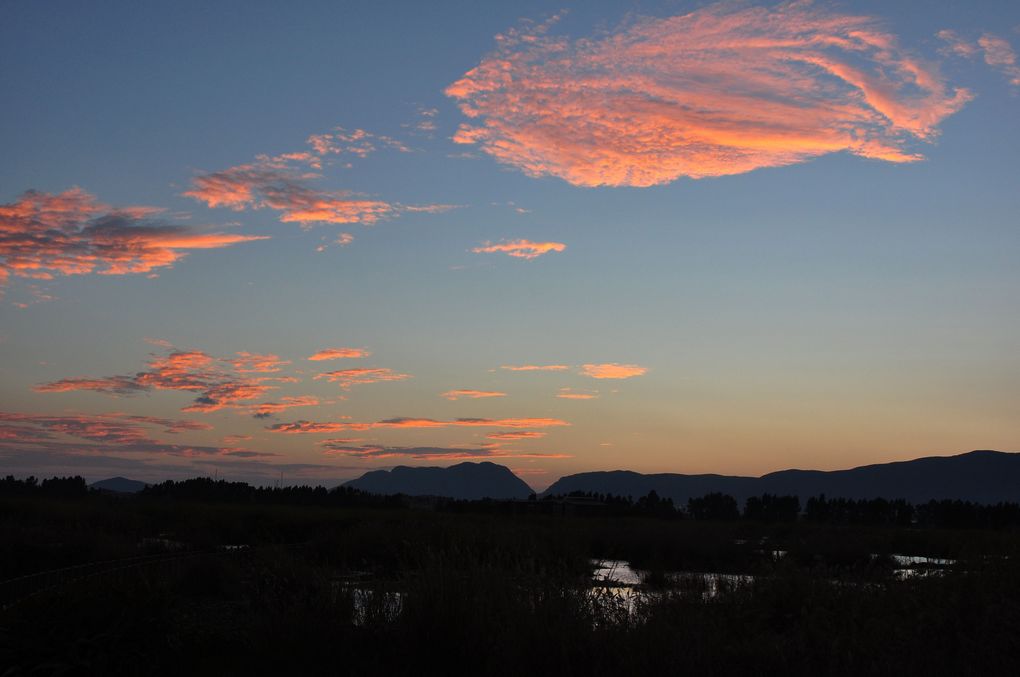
x=535, y=367
x=419, y=453
x=252, y=363
x=723, y=90
x=119, y=432
x=257, y=186
x=612, y=370
x=454, y=395
x=187, y=370
x=997, y=52
x=339, y=354
x=358, y=376
x=300, y=427
x=521, y=249
x=111, y=385
x=267, y=409
x=569, y=394
x=281, y=183
x=357, y=142
x=516, y=435
x=71, y=233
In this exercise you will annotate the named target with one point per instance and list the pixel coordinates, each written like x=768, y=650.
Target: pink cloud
x=999, y=54
x=722, y=90
x=362, y=375
x=339, y=354
x=957, y=45
x=522, y=249
x=71, y=233
x=454, y=395
x=613, y=370
x=357, y=142
x=300, y=427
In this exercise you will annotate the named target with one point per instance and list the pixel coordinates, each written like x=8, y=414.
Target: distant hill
x=979, y=476
x=464, y=480
x=120, y=485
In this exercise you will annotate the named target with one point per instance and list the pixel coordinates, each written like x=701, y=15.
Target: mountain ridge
x=470, y=481
x=120, y=485
x=981, y=476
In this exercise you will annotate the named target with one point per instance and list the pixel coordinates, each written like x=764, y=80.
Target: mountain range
x=978, y=476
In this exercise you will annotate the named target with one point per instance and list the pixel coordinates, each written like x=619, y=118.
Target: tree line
x=766, y=508
x=772, y=508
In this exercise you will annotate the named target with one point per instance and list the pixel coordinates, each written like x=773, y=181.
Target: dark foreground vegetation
x=220, y=578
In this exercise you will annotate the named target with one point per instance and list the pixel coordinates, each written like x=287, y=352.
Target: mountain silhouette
x=978, y=476
x=467, y=480
x=121, y=485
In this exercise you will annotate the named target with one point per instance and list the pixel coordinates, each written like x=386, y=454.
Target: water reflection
x=619, y=578
x=368, y=603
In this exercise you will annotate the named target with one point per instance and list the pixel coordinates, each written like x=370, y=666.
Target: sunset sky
x=256, y=239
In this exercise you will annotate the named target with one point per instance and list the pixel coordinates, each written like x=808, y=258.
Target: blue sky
x=822, y=310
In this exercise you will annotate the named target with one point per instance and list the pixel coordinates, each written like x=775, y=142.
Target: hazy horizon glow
x=693, y=237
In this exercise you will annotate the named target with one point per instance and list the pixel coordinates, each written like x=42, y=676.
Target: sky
x=269, y=242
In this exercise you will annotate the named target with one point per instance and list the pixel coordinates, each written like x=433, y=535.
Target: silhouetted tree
x=771, y=508
x=714, y=506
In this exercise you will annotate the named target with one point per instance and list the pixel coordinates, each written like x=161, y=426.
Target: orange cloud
x=374, y=451
x=522, y=249
x=301, y=427
x=516, y=435
x=339, y=442
x=357, y=142
x=612, y=370
x=339, y=354
x=119, y=432
x=535, y=367
x=266, y=409
x=247, y=363
x=569, y=394
x=224, y=395
x=256, y=186
x=722, y=90
x=454, y=395
x=281, y=183
x=361, y=375
x=111, y=385
x=71, y=233
x=191, y=371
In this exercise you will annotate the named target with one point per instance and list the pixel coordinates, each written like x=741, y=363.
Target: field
x=187, y=586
